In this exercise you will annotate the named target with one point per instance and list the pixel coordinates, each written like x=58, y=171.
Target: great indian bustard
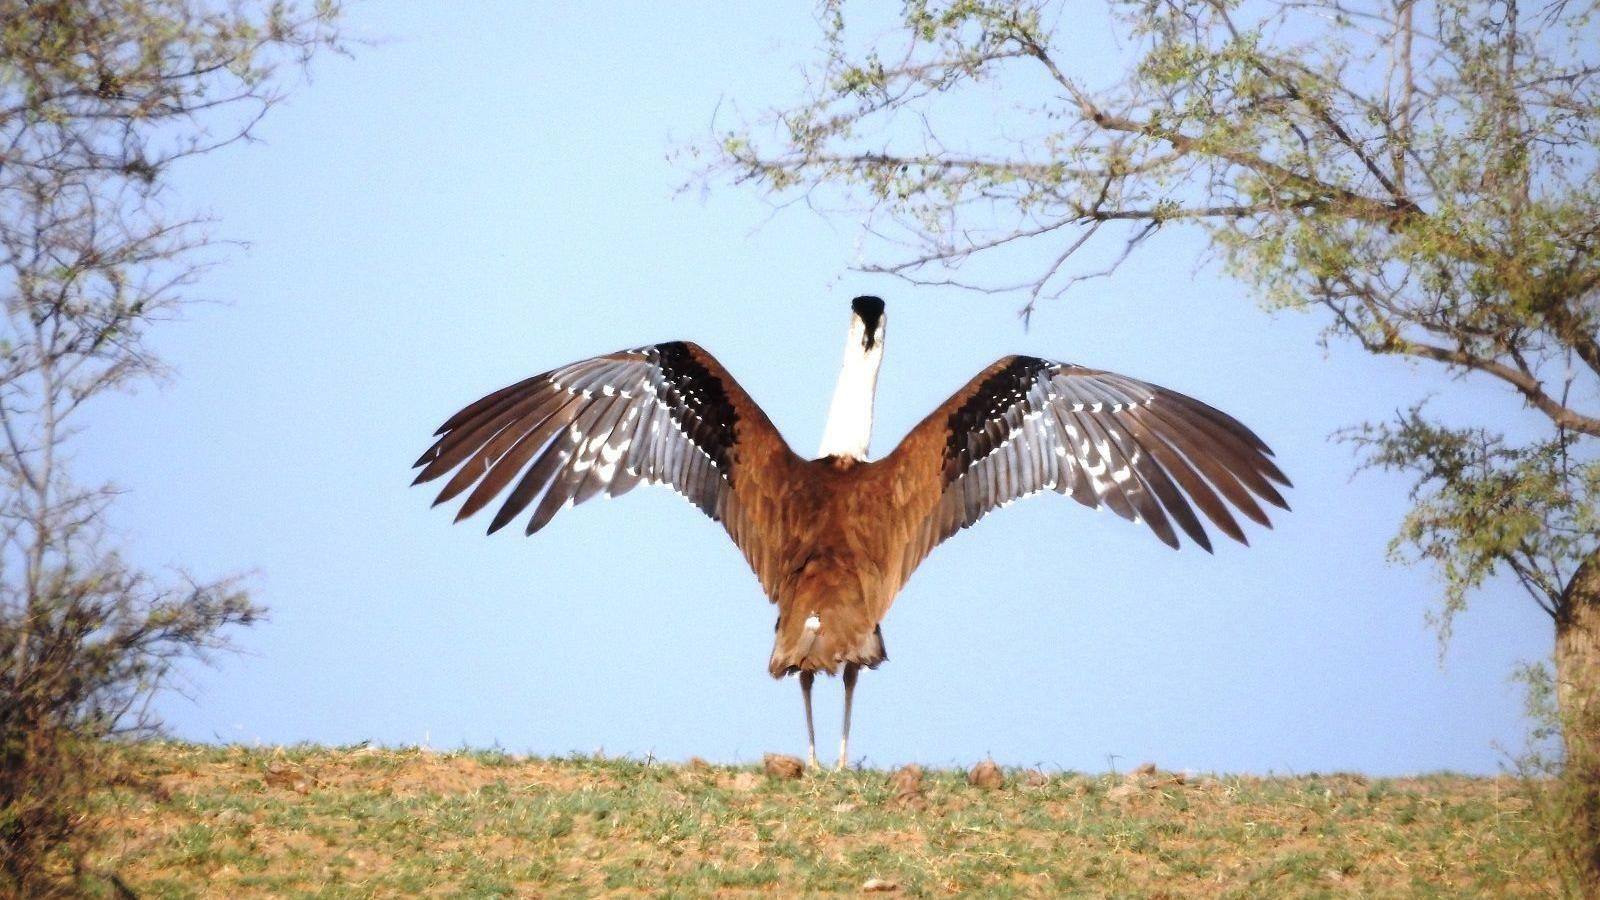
x=833, y=539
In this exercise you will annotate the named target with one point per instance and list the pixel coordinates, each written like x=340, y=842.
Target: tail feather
x=827, y=617
x=818, y=650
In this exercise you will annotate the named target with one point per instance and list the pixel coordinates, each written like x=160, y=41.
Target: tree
x=1423, y=172
x=99, y=99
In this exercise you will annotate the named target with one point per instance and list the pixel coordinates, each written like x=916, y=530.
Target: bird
x=833, y=539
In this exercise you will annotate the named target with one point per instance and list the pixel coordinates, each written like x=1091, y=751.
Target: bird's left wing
x=1026, y=424
x=664, y=414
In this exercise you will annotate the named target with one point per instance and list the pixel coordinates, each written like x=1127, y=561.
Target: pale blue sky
x=487, y=194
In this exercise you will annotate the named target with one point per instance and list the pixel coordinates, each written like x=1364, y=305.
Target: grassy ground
x=229, y=821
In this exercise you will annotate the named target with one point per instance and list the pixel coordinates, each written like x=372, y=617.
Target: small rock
x=778, y=765
x=907, y=784
x=986, y=775
x=872, y=885
x=232, y=817
x=1122, y=792
x=745, y=782
x=280, y=776
x=1148, y=768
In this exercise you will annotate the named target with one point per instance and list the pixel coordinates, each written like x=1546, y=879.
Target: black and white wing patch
x=664, y=414
x=1146, y=453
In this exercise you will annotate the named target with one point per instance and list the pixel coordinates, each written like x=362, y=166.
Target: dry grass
x=229, y=821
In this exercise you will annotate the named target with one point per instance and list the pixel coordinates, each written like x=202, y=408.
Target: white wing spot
x=612, y=454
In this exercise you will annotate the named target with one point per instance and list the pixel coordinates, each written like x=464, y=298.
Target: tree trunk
x=1578, y=693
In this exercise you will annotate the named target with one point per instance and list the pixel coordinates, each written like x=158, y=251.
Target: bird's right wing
x=1026, y=425
x=663, y=414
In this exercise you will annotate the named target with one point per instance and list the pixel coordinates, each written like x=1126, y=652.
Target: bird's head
x=867, y=323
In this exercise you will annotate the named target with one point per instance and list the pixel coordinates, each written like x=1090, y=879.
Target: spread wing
x=664, y=414
x=1026, y=424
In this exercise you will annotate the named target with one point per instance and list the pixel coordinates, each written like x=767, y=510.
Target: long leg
x=811, y=732
x=851, y=670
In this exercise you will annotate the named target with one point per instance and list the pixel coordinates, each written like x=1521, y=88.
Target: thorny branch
x=98, y=100
x=1422, y=171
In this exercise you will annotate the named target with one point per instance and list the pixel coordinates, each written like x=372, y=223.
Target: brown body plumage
x=837, y=566
x=833, y=539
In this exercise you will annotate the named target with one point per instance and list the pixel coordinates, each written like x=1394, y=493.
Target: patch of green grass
x=360, y=821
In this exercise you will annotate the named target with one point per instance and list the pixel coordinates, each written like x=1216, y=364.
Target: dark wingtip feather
x=1271, y=496
x=1253, y=512
x=1273, y=472
x=503, y=517
x=1230, y=527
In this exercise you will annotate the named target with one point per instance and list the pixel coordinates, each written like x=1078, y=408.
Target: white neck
x=849, y=427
